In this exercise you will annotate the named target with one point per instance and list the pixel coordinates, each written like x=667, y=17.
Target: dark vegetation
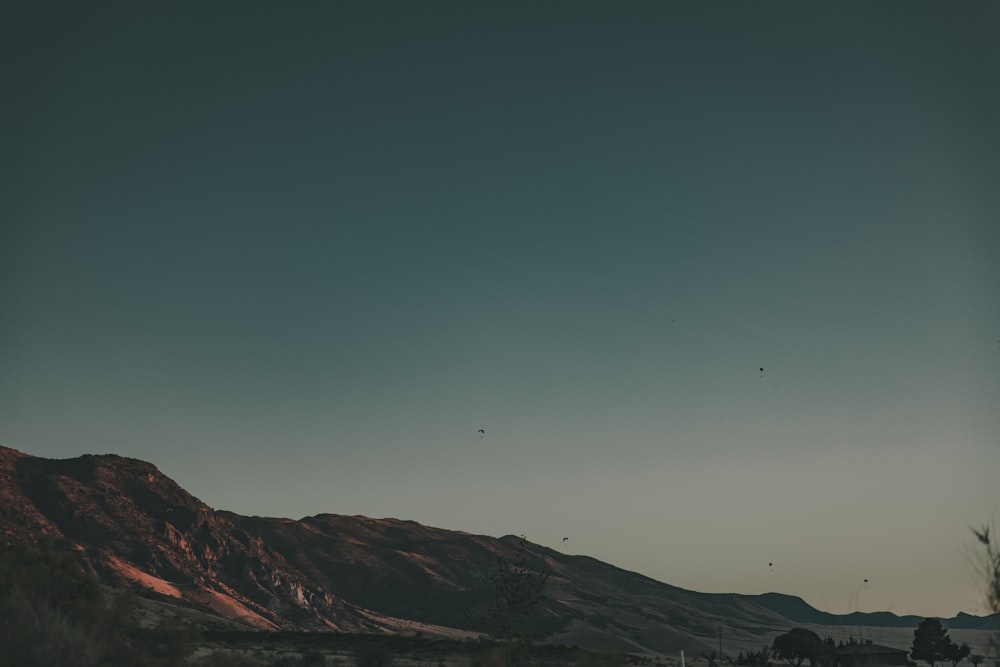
x=932, y=644
x=518, y=584
x=796, y=646
x=990, y=571
x=761, y=658
x=52, y=613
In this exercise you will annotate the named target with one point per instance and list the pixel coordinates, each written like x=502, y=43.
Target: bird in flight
x=482, y=432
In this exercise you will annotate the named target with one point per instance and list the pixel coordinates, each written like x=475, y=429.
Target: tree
x=760, y=658
x=518, y=584
x=931, y=642
x=990, y=570
x=975, y=659
x=796, y=646
x=957, y=653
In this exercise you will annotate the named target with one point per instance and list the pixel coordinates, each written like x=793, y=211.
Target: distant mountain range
x=134, y=527
x=797, y=609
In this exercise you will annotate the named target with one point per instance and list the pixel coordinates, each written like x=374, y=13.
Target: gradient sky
x=297, y=254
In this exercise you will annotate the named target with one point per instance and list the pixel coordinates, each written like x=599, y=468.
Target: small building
x=862, y=655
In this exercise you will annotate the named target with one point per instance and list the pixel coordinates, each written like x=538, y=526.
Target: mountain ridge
x=133, y=526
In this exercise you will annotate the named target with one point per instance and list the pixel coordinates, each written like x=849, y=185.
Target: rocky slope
x=135, y=527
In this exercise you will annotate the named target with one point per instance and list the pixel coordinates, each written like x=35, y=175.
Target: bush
x=372, y=655
x=53, y=613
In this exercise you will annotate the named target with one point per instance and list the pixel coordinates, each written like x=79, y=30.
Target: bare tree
x=989, y=569
x=518, y=584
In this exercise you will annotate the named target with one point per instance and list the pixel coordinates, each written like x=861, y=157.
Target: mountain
x=134, y=527
x=798, y=610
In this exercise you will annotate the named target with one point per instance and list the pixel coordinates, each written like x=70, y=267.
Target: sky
x=298, y=254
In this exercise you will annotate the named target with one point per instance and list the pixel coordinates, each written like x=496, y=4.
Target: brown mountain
x=135, y=527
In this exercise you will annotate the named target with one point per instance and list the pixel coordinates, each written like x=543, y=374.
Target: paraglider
x=855, y=601
x=770, y=566
x=565, y=538
x=482, y=432
x=762, y=372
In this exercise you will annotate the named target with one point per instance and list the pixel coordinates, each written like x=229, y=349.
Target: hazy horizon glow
x=297, y=257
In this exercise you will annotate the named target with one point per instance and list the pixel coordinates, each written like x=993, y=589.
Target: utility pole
x=720, y=644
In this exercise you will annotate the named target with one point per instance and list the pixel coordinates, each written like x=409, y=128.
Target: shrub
x=372, y=654
x=53, y=613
